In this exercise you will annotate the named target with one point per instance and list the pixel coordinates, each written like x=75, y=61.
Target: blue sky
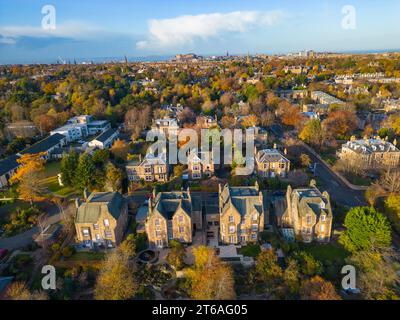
x=98, y=28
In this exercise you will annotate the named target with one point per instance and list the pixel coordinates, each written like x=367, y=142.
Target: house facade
x=151, y=168
x=200, y=164
x=101, y=219
x=105, y=139
x=173, y=215
x=308, y=214
x=271, y=163
x=167, y=126
x=370, y=153
x=242, y=214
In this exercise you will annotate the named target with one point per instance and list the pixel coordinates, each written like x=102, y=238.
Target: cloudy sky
x=87, y=29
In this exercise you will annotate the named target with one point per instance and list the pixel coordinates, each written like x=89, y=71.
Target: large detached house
x=101, y=220
x=242, y=214
x=370, y=153
x=151, y=168
x=308, y=214
x=271, y=163
x=173, y=215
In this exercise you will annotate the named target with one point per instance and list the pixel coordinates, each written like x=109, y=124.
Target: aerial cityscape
x=206, y=159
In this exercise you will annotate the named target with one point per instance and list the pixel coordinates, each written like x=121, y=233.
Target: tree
x=305, y=160
x=340, y=123
x=365, y=229
x=317, y=288
x=376, y=274
x=69, y=164
x=210, y=278
x=390, y=180
x=267, y=267
x=19, y=291
x=136, y=120
x=84, y=172
x=120, y=149
x=116, y=280
x=28, y=177
x=291, y=277
x=307, y=264
x=312, y=133
x=45, y=122
x=114, y=177
x=176, y=255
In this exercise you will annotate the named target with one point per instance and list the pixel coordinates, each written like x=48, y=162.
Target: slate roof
x=45, y=144
x=103, y=137
x=270, y=155
x=370, y=146
x=312, y=201
x=245, y=200
x=8, y=164
x=168, y=203
x=89, y=211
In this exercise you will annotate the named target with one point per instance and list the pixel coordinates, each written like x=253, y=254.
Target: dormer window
x=180, y=218
x=106, y=223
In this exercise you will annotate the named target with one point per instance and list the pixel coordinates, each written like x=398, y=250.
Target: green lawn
x=87, y=256
x=251, y=250
x=50, y=180
x=325, y=252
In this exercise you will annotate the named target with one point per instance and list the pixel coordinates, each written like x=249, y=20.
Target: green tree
x=267, y=267
x=114, y=177
x=308, y=265
x=85, y=171
x=69, y=163
x=365, y=229
x=176, y=255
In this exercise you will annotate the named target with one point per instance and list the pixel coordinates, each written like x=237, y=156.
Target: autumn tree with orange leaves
x=317, y=288
x=28, y=177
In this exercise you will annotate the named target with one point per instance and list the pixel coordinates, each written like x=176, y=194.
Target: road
x=25, y=238
x=337, y=189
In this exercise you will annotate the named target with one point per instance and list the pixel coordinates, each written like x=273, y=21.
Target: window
x=232, y=229
x=254, y=236
x=85, y=232
x=322, y=228
x=323, y=218
x=96, y=226
x=255, y=217
x=158, y=233
x=180, y=218
x=97, y=237
x=106, y=223
x=232, y=239
x=231, y=219
x=309, y=219
x=254, y=227
x=181, y=229
x=147, y=169
x=148, y=178
x=107, y=234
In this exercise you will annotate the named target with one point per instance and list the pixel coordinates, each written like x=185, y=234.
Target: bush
x=68, y=252
x=55, y=247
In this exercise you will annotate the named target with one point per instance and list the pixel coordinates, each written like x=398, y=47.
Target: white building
x=80, y=127
x=105, y=139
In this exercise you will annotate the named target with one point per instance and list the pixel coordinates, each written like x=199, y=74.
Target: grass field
x=87, y=256
x=325, y=252
x=251, y=250
x=50, y=180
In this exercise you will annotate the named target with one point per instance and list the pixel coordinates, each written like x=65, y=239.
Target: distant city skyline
x=89, y=30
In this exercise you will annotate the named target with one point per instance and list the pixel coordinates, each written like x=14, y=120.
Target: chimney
x=275, y=146
x=285, y=151
x=86, y=194
x=77, y=203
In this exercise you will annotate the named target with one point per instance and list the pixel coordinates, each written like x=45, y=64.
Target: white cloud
x=186, y=29
x=71, y=30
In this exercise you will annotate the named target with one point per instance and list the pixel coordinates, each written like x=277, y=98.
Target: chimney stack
x=86, y=194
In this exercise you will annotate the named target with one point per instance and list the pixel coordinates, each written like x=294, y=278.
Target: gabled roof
x=8, y=164
x=271, y=155
x=89, y=211
x=246, y=200
x=168, y=203
x=45, y=144
x=103, y=137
